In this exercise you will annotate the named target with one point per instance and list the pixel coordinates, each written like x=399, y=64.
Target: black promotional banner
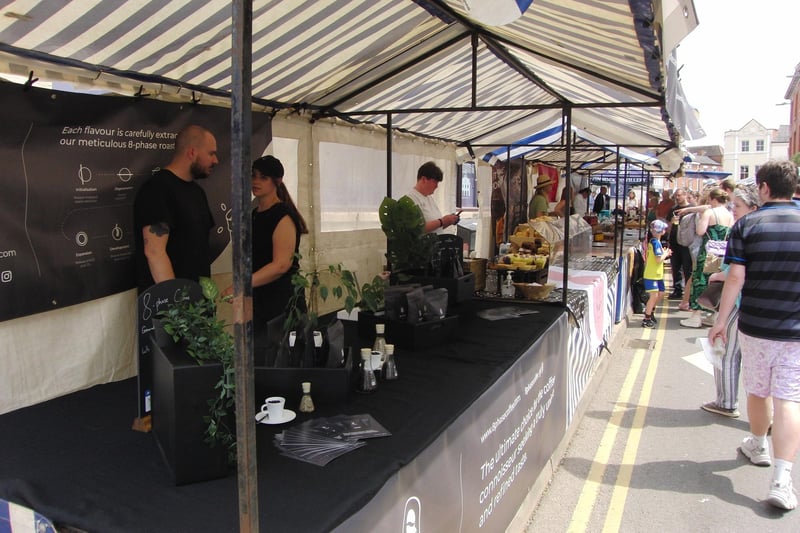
x=477, y=473
x=71, y=166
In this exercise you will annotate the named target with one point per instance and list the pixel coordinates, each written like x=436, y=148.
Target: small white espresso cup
x=273, y=407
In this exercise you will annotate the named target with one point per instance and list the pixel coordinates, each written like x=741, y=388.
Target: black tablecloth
x=76, y=460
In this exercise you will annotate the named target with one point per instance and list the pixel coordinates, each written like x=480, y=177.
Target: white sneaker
x=758, y=455
x=708, y=319
x=692, y=322
x=782, y=496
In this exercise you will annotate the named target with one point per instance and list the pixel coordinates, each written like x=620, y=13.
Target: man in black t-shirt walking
x=172, y=220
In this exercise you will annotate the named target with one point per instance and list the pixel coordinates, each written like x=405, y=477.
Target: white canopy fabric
x=362, y=59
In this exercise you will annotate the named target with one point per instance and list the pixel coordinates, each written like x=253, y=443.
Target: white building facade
x=748, y=148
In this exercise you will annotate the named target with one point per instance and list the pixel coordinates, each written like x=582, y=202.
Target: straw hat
x=543, y=182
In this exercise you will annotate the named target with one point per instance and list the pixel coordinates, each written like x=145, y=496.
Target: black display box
x=459, y=289
x=181, y=391
x=406, y=335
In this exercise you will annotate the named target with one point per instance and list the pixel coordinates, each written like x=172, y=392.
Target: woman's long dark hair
x=272, y=168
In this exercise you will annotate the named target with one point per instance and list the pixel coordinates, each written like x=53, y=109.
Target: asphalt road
x=645, y=457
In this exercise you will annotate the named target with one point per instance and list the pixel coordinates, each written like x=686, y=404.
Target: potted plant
x=345, y=286
x=409, y=248
x=194, y=326
x=328, y=366
x=197, y=332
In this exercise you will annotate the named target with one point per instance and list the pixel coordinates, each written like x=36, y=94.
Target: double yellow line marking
x=591, y=488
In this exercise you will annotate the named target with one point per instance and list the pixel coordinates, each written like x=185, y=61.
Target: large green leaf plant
x=409, y=248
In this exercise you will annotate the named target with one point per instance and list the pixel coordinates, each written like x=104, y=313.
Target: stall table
x=495, y=387
x=595, y=279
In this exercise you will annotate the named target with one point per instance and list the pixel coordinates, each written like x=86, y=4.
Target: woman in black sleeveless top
x=277, y=227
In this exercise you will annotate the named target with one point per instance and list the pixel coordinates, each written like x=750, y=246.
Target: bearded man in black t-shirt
x=172, y=219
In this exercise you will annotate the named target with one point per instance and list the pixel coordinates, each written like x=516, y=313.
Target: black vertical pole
x=619, y=245
x=567, y=121
x=389, y=135
x=617, y=232
x=508, y=193
x=389, y=155
x=474, y=78
x=241, y=131
x=643, y=202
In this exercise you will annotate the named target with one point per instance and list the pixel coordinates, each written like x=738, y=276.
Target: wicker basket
x=534, y=291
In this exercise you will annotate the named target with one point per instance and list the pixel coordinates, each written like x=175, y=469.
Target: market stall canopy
x=707, y=174
x=438, y=72
x=589, y=152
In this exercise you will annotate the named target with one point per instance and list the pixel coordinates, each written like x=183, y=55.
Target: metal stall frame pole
x=624, y=210
x=388, y=266
x=646, y=224
x=567, y=119
x=643, y=204
x=241, y=132
x=508, y=194
x=618, y=235
x=389, y=155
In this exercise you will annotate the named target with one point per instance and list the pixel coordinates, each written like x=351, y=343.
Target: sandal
x=683, y=307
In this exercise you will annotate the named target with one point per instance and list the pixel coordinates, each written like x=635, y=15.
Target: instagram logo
x=5, y=276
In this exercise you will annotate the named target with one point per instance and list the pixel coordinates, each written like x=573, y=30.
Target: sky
x=738, y=62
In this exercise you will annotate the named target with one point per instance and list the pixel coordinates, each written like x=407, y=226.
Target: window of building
x=759, y=146
x=755, y=169
x=467, y=186
x=744, y=172
x=745, y=146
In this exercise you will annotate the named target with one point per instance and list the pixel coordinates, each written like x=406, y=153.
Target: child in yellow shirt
x=654, y=270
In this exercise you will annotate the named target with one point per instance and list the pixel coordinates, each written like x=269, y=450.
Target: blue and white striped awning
x=362, y=59
x=588, y=153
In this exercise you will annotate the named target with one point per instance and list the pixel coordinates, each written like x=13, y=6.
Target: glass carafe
x=367, y=382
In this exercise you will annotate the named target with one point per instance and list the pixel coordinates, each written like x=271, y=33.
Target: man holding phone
x=428, y=178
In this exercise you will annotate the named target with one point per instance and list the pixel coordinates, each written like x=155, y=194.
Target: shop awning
x=589, y=152
x=707, y=174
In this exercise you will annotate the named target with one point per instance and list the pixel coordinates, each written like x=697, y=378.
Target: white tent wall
x=50, y=354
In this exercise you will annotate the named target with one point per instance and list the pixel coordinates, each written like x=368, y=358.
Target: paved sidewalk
x=645, y=457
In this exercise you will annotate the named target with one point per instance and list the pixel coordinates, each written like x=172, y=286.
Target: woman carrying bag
x=714, y=224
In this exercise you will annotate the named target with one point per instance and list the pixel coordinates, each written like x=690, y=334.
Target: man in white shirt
x=581, y=202
x=428, y=178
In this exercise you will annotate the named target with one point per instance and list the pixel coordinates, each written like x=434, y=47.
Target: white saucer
x=288, y=416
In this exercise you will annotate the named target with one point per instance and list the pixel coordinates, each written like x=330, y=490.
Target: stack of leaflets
x=321, y=440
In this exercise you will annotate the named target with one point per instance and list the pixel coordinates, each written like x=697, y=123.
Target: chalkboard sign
x=155, y=299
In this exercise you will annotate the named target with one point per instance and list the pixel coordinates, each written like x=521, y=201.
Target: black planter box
x=406, y=335
x=181, y=390
x=459, y=289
